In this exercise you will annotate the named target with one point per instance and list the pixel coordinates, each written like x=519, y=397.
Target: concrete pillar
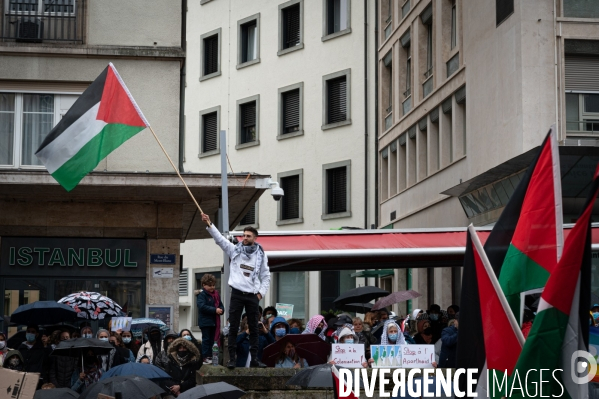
x=164, y=291
x=313, y=307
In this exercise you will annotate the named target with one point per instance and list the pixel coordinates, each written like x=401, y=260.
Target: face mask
x=182, y=354
x=393, y=337
x=596, y=315
x=15, y=364
x=349, y=341
x=2, y=344
x=294, y=330
x=105, y=339
x=187, y=337
x=127, y=340
x=434, y=317
x=30, y=337
x=86, y=335
x=317, y=331
x=427, y=331
x=280, y=332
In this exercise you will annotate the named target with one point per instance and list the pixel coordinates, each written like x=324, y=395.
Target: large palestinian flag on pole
x=103, y=118
x=556, y=333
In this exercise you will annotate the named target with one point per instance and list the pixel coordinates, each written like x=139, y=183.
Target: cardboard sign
x=417, y=356
x=386, y=356
x=14, y=384
x=121, y=323
x=285, y=310
x=348, y=355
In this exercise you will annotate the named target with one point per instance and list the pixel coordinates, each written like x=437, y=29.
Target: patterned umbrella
x=92, y=305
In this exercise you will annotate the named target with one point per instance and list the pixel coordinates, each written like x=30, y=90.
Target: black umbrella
x=56, y=393
x=356, y=307
x=217, y=390
x=130, y=387
x=76, y=347
x=360, y=295
x=43, y=312
x=319, y=376
x=16, y=339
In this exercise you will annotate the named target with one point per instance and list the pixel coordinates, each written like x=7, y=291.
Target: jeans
x=207, y=341
x=240, y=301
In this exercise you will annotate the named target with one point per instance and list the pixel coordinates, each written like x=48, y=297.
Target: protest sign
x=386, y=356
x=284, y=310
x=348, y=355
x=417, y=356
x=121, y=323
x=15, y=384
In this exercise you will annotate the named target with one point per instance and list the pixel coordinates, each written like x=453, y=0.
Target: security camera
x=277, y=193
x=275, y=190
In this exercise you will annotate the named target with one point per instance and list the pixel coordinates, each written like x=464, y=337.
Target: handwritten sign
x=386, y=356
x=348, y=355
x=417, y=356
x=121, y=323
x=284, y=310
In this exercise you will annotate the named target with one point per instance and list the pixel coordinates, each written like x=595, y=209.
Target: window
x=582, y=113
x=291, y=111
x=290, y=207
x=291, y=288
x=407, y=104
x=429, y=51
x=291, y=21
x=25, y=121
x=210, y=43
x=427, y=22
x=250, y=218
x=453, y=25
x=503, y=9
x=388, y=79
x=336, y=190
x=248, y=122
x=209, y=131
x=45, y=6
x=336, y=99
x=581, y=9
x=336, y=18
x=249, y=41
x=453, y=65
x=405, y=9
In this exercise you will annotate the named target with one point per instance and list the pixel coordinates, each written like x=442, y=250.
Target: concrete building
x=468, y=90
x=293, y=85
x=110, y=233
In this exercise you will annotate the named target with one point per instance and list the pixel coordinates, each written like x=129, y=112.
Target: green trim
x=90, y=155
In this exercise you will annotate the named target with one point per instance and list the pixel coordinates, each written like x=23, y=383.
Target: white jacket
x=245, y=274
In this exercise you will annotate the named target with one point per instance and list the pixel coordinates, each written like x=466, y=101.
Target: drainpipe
x=366, y=114
x=376, y=114
x=182, y=86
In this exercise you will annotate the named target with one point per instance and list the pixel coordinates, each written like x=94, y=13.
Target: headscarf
x=385, y=338
x=313, y=325
x=344, y=332
x=216, y=297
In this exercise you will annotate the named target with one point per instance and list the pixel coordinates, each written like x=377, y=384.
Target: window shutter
x=290, y=202
x=337, y=100
x=183, y=282
x=250, y=216
x=337, y=190
x=248, y=122
x=582, y=73
x=291, y=19
x=211, y=55
x=291, y=111
x=210, y=132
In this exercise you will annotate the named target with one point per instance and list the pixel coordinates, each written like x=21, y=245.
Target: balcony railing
x=582, y=128
x=37, y=21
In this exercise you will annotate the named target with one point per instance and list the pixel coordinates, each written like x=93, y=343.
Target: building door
x=19, y=292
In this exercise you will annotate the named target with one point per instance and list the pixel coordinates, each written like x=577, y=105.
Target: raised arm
x=221, y=241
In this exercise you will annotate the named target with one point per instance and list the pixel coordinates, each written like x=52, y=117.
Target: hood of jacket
x=13, y=352
x=172, y=349
x=276, y=320
x=345, y=332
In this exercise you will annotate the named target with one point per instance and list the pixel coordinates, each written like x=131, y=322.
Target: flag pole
x=176, y=170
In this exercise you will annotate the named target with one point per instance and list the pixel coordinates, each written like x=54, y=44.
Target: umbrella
x=319, y=376
x=129, y=387
x=55, y=393
x=394, y=298
x=356, y=307
x=148, y=371
x=217, y=390
x=16, y=339
x=138, y=325
x=92, y=305
x=43, y=312
x=76, y=346
x=308, y=346
x=360, y=294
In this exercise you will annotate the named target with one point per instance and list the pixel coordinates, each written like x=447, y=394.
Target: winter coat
x=206, y=310
x=182, y=373
x=288, y=363
x=61, y=370
x=147, y=350
x=243, y=346
x=34, y=358
x=449, y=339
x=366, y=338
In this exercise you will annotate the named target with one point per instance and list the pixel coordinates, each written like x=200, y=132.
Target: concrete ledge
x=248, y=379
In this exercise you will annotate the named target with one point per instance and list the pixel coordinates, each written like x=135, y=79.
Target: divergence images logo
x=583, y=362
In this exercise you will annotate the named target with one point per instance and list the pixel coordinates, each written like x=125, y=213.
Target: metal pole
x=226, y=295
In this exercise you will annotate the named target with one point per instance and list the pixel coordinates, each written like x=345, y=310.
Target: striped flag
x=103, y=118
x=345, y=389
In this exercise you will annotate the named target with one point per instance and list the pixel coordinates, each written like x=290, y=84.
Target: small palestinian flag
x=103, y=118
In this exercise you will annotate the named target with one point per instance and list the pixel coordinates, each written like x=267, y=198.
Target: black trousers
x=239, y=301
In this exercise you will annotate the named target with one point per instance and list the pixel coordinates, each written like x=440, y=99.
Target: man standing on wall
x=249, y=279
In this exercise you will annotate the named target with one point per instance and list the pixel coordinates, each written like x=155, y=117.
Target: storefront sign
x=162, y=272
x=162, y=259
x=77, y=257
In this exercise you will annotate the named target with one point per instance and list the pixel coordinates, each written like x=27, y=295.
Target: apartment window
x=209, y=131
x=336, y=15
x=581, y=9
x=25, y=121
x=291, y=288
x=249, y=41
x=291, y=111
x=336, y=99
x=503, y=9
x=582, y=113
x=251, y=217
x=336, y=190
x=290, y=207
x=248, y=122
x=388, y=82
x=427, y=23
x=210, y=43
x=429, y=51
x=582, y=94
x=453, y=25
x=405, y=9
x=291, y=23
x=453, y=65
x=46, y=6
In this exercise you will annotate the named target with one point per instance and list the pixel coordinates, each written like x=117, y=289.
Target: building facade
x=468, y=90
x=293, y=85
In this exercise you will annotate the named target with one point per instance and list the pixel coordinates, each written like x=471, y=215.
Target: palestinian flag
x=534, y=205
x=557, y=331
x=502, y=336
x=103, y=118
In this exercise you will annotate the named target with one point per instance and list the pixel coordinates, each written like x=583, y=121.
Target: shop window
x=291, y=289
